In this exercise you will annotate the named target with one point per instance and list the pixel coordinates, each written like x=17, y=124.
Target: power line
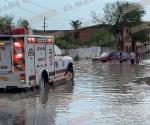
x=21, y=8
x=60, y=13
x=39, y=5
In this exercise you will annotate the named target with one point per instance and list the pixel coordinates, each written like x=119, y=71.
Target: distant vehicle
x=112, y=56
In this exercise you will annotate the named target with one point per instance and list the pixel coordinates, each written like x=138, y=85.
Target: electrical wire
x=35, y=4
x=52, y=20
x=21, y=8
x=60, y=13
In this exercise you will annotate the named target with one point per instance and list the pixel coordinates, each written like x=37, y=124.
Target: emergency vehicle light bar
x=31, y=40
x=34, y=40
x=50, y=41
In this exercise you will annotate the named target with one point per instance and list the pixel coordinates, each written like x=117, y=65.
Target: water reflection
x=103, y=94
x=44, y=95
x=33, y=108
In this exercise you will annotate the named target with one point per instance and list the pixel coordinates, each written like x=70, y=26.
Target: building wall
x=86, y=34
x=127, y=42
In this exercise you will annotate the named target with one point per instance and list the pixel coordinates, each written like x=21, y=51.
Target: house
x=87, y=32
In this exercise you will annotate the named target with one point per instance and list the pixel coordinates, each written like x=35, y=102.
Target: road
x=101, y=94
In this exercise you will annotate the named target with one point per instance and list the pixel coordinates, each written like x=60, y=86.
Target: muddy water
x=101, y=94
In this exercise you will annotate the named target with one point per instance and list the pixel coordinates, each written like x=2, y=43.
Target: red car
x=112, y=56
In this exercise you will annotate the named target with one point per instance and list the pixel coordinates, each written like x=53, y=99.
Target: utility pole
x=44, y=23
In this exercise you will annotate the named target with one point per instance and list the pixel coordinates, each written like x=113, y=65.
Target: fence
x=86, y=52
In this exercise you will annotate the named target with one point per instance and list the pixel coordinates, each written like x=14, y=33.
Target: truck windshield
x=105, y=54
x=57, y=50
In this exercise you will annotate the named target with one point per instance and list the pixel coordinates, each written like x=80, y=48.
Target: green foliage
x=76, y=57
x=76, y=24
x=123, y=12
x=120, y=14
x=140, y=36
x=5, y=24
x=64, y=42
x=23, y=23
x=6, y=20
x=103, y=38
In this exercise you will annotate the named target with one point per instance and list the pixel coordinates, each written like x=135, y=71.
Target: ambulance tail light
x=18, y=56
x=18, y=45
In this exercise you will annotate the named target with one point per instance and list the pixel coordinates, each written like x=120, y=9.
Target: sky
x=59, y=13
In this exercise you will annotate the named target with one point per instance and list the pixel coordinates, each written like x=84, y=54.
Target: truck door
x=5, y=54
x=59, y=63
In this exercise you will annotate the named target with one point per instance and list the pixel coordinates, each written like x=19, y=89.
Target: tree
x=121, y=13
x=140, y=36
x=76, y=25
x=96, y=18
x=104, y=38
x=23, y=23
x=6, y=24
x=65, y=41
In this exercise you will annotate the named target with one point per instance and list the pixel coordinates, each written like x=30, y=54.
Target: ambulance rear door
x=5, y=54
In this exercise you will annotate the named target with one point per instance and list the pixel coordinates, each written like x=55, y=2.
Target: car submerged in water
x=112, y=56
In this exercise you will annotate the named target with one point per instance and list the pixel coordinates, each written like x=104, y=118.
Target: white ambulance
x=32, y=60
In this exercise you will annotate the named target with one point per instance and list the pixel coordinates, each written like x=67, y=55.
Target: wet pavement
x=101, y=94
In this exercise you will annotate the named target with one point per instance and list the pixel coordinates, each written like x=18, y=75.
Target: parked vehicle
x=112, y=56
x=32, y=60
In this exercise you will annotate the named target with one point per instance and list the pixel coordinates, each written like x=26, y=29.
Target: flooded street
x=101, y=94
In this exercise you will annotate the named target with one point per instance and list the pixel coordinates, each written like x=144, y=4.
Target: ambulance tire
x=44, y=80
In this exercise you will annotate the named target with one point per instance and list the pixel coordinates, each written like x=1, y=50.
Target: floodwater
x=101, y=94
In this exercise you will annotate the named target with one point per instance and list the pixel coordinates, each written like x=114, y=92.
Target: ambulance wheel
x=44, y=80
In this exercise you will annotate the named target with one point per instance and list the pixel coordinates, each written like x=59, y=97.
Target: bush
x=76, y=57
x=64, y=42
